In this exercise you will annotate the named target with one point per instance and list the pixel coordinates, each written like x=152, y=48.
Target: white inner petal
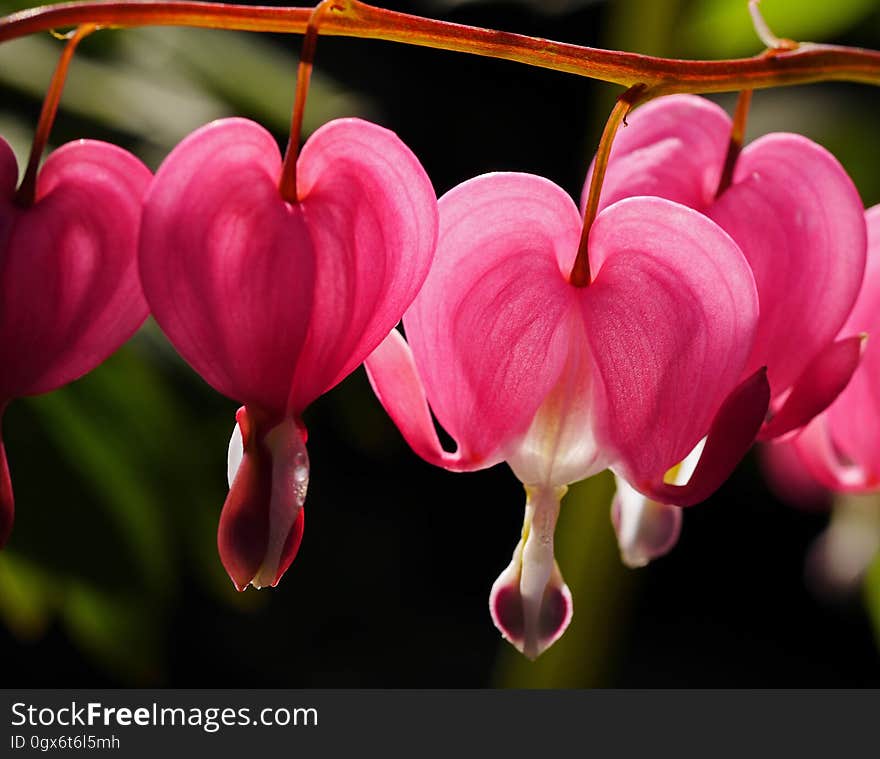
x=559, y=447
x=236, y=451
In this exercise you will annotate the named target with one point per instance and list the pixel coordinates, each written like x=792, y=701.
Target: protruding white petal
x=236, y=451
x=559, y=447
x=647, y=529
x=530, y=603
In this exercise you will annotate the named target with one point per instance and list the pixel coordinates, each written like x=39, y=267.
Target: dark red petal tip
x=731, y=435
x=262, y=522
x=243, y=532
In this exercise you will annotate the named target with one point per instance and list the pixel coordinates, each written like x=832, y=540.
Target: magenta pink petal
x=393, y=376
x=799, y=221
x=671, y=316
x=69, y=288
x=227, y=265
x=273, y=302
x=817, y=387
x=672, y=147
x=372, y=216
x=491, y=326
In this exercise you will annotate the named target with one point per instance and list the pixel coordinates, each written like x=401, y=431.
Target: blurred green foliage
x=872, y=596
x=722, y=28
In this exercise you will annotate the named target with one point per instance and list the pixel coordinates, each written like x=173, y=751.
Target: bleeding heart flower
x=798, y=219
x=841, y=447
x=562, y=382
x=69, y=288
x=793, y=211
x=274, y=303
x=838, y=453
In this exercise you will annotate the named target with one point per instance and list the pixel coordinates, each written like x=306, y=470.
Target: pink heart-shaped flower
x=69, y=288
x=519, y=365
x=273, y=303
x=791, y=208
x=798, y=219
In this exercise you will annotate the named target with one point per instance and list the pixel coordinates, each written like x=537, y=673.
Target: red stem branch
x=806, y=63
x=27, y=190
x=580, y=272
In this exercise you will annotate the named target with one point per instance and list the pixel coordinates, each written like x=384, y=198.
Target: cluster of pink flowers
x=712, y=319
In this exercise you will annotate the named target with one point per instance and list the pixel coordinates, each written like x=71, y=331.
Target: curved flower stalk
x=69, y=288
x=274, y=302
x=798, y=219
x=561, y=382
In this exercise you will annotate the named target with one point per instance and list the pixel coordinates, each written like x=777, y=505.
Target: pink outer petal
x=271, y=302
x=227, y=265
x=817, y=387
x=670, y=318
x=69, y=289
x=799, y=221
x=372, y=214
x=673, y=147
x=393, y=376
x=490, y=329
